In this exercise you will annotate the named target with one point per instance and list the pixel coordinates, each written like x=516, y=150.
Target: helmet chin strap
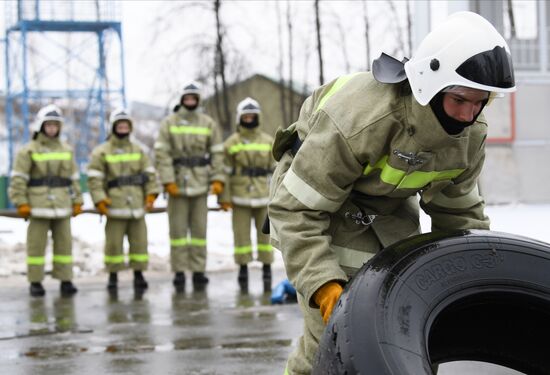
x=451, y=125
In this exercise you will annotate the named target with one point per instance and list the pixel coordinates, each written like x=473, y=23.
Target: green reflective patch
x=139, y=257
x=414, y=180
x=46, y=156
x=197, y=130
x=121, y=158
x=198, y=242
x=179, y=241
x=63, y=259
x=249, y=147
x=340, y=82
x=36, y=261
x=243, y=249
x=264, y=247
x=113, y=259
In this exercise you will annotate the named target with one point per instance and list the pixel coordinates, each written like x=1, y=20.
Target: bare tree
x=220, y=71
x=409, y=29
x=512, y=19
x=367, y=41
x=218, y=61
x=342, y=40
x=290, y=62
x=281, y=66
x=399, y=35
x=319, y=45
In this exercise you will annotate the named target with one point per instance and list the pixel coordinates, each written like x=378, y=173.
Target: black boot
x=67, y=288
x=266, y=277
x=140, y=284
x=243, y=278
x=37, y=290
x=243, y=274
x=179, y=282
x=199, y=278
x=112, y=284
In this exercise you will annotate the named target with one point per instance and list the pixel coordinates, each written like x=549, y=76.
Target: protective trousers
x=37, y=238
x=301, y=360
x=136, y=232
x=241, y=218
x=187, y=219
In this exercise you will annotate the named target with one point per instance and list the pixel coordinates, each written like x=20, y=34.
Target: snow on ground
x=527, y=220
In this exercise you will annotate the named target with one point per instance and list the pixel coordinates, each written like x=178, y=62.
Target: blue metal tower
x=67, y=52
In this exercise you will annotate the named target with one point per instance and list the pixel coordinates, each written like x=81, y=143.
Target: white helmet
x=192, y=87
x=465, y=50
x=119, y=114
x=51, y=112
x=246, y=106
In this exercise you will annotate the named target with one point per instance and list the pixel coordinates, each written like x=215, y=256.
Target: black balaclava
x=118, y=135
x=190, y=107
x=250, y=125
x=451, y=126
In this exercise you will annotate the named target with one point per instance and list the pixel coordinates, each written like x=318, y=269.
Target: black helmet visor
x=490, y=68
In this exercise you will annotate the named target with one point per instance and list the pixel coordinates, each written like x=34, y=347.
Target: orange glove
x=226, y=206
x=216, y=187
x=149, y=200
x=102, y=206
x=172, y=189
x=77, y=209
x=24, y=210
x=326, y=297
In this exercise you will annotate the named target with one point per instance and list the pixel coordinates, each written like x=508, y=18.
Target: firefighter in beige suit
x=189, y=161
x=45, y=188
x=362, y=149
x=123, y=186
x=249, y=164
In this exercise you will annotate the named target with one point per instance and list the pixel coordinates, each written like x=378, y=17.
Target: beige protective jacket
x=121, y=171
x=189, y=152
x=368, y=149
x=45, y=176
x=248, y=165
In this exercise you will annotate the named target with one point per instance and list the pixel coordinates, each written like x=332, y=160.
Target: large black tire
x=441, y=297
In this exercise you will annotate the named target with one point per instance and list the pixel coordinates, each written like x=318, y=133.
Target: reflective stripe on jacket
x=121, y=159
x=45, y=159
x=188, y=135
x=248, y=166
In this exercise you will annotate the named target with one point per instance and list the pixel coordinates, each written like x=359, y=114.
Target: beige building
x=268, y=93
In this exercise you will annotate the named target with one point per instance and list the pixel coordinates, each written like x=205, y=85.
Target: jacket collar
x=118, y=142
x=425, y=128
x=46, y=141
x=249, y=133
x=185, y=113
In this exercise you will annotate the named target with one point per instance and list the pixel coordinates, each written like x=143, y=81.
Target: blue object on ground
x=283, y=292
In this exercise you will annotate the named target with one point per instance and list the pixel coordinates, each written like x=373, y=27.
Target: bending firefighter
x=123, y=186
x=189, y=157
x=249, y=164
x=366, y=144
x=45, y=188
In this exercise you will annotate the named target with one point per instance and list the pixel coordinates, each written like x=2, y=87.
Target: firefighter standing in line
x=365, y=145
x=249, y=163
x=45, y=188
x=189, y=157
x=123, y=186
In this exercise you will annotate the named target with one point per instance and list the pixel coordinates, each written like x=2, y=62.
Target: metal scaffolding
x=67, y=53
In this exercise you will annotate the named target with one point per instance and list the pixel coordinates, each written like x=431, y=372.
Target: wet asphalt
x=219, y=330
